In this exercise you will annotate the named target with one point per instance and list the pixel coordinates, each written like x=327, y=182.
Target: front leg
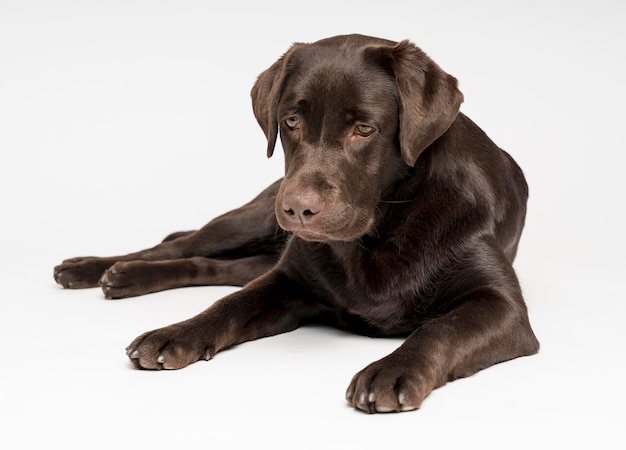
x=267, y=306
x=486, y=328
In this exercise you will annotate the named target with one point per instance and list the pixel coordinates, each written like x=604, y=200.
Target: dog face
x=354, y=113
x=338, y=128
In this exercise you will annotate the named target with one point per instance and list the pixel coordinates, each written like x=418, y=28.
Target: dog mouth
x=338, y=232
x=306, y=231
x=311, y=236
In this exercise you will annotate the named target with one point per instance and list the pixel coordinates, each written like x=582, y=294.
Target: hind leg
x=251, y=230
x=133, y=278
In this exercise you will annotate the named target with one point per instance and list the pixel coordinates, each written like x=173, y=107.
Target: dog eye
x=364, y=130
x=293, y=123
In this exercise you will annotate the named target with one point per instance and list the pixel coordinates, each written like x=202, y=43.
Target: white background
x=121, y=121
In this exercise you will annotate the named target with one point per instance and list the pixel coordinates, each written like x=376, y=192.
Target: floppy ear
x=428, y=97
x=266, y=96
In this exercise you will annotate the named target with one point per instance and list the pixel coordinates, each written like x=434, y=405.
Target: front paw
x=172, y=347
x=388, y=385
x=81, y=272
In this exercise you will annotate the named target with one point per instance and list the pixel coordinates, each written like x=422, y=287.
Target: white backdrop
x=121, y=121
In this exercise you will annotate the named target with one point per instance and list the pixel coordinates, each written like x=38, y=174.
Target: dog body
x=397, y=216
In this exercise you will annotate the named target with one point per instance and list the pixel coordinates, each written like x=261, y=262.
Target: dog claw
x=134, y=355
x=403, y=405
x=161, y=359
x=384, y=409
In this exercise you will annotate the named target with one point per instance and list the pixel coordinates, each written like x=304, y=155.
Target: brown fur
x=397, y=215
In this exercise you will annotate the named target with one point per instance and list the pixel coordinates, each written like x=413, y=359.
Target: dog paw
x=133, y=278
x=81, y=272
x=172, y=347
x=385, y=386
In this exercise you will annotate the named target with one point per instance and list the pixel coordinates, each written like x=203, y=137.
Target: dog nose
x=302, y=206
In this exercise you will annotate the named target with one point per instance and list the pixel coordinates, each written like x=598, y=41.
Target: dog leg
x=246, y=231
x=265, y=307
x=132, y=278
x=486, y=328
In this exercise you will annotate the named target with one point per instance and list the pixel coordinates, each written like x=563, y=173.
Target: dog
x=396, y=216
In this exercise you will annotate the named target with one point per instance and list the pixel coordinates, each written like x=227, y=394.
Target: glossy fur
x=397, y=216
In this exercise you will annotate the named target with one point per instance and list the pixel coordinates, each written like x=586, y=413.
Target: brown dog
x=397, y=215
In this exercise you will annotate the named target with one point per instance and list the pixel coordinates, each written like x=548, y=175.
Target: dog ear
x=266, y=96
x=428, y=97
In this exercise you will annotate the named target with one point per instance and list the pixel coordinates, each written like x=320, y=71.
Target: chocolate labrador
x=397, y=216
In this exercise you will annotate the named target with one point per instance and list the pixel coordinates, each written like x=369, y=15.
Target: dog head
x=353, y=113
